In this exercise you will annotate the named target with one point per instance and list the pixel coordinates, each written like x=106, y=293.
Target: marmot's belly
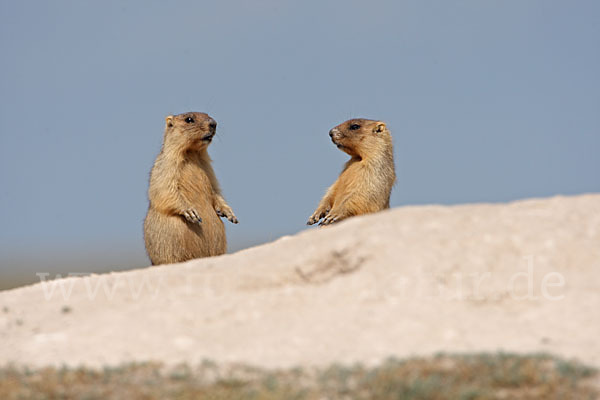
x=204, y=239
x=171, y=238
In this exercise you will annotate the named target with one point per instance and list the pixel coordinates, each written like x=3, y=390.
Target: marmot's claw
x=316, y=217
x=192, y=216
x=329, y=219
x=227, y=214
x=313, y=220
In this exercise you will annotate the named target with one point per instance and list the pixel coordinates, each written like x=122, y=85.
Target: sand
x=519, y=277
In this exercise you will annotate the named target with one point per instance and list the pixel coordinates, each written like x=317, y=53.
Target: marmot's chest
x=362, y=178
x=195, y=184
x=355, y=172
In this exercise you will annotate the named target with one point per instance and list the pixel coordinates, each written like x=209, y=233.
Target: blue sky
x=487, y=101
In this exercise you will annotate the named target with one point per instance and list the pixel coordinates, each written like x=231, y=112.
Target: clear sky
x=487, y=101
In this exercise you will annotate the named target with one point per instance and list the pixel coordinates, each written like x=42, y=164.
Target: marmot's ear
x=169, y=121
x=380, y=127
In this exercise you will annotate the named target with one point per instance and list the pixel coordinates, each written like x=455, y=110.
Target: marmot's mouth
x=207, y=138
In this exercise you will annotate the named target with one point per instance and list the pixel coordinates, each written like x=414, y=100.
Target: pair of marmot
x=183, y=220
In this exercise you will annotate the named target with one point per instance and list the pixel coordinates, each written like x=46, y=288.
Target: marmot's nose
x=331, y=133
x=212, y=126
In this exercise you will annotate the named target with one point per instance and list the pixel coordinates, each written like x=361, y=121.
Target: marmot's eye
x=354, y=127
x=189, y=120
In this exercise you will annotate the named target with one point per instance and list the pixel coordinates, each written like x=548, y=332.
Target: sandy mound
x=518, y=277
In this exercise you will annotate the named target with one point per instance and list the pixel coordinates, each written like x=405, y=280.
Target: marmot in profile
x=365, y=184
x=185, y=198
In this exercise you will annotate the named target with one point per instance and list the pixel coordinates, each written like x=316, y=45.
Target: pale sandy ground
x=520, y=277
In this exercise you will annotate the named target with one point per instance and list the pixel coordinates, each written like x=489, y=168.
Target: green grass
x=456, y=377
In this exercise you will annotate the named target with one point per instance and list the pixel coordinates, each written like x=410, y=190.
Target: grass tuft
x=441, y=377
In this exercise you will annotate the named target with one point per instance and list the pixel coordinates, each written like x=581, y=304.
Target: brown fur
x=365, y=184
x=185, y=198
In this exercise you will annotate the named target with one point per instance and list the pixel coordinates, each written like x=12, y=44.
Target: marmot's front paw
x=192, y=216
x=226, y=212
x=318, y=214
x=331, y=218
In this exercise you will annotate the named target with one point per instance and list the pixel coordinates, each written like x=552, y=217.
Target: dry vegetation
x=482, y=376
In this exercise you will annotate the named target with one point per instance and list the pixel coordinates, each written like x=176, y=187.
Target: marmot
x=185, y=198
x=365, y=184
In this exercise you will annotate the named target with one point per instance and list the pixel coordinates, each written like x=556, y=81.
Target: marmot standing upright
x=365, y=184
x=185, y=198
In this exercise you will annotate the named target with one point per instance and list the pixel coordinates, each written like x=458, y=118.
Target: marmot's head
x=361, y=137
x=192, y=130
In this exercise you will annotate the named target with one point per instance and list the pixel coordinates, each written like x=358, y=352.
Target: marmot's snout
x=335, y=134
x=212, y=126
x=212, y=130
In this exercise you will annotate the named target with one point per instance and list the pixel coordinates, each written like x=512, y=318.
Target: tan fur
x=183, y=187
x=365, y=184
